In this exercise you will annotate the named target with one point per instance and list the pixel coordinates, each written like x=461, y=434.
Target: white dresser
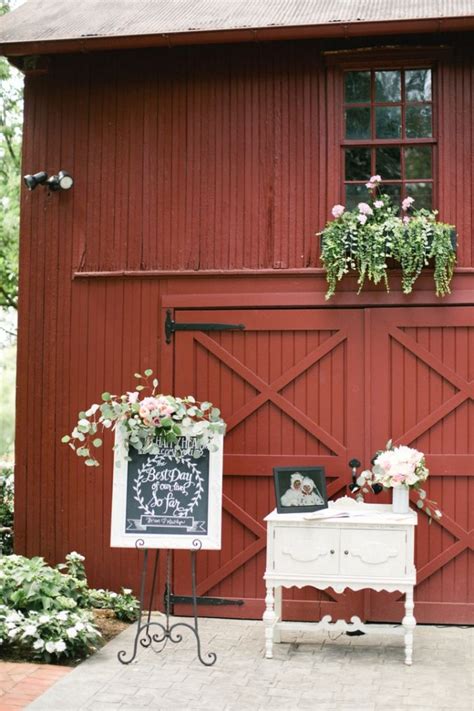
x=372, y=549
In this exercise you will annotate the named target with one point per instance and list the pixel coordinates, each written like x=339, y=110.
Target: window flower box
x=372, y=237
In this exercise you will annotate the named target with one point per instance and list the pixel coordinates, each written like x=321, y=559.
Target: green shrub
x=6, y=507
x=29, y=584
x=124, y=605
x=46, y=614
x=49, y=637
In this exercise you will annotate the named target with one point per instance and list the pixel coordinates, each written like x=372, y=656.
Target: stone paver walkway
x=21, y=683
x=309, y=671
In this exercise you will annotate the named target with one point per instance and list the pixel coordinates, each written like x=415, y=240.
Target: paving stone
x=243, y=679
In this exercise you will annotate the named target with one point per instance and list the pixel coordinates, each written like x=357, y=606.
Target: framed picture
x=170, y=498
x=300, y=489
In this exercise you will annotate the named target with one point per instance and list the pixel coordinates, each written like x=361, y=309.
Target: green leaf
x=205, y=406
x=106, y=396
x=97, y=442
x=65, y=439
x=155, y=382
x=148, y=372
x=137, y=375
x=90, y=463
x=140, y=387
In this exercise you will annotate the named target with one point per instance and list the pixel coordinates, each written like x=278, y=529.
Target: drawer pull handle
x=332, y=552
x=346, y=552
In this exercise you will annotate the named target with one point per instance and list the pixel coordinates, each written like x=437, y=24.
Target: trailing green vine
x=362, y=240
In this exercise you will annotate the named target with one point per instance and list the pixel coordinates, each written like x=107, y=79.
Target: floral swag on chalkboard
x=146, y=422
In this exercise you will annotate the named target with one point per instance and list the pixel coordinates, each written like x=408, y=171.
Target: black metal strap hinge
x=171, y=326
x=215, y=601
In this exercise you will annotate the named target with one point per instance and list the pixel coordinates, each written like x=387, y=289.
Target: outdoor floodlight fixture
x=31, y=181
x=62, y=181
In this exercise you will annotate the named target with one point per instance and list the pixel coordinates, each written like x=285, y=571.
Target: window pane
x=418, y=85
x=418, y=162
x=355, y=194
x=357, y=87
x=387, y=86
x=358, y=164
x=423, y=194
x=418, y=121
x=388, y=122
x=358, y=123
x=394, y=192
x=388, y=163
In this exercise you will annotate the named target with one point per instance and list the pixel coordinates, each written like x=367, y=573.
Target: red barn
x=207, y=144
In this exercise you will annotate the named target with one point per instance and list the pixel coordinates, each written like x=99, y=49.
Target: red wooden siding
x=207, y=171
x=210, y=160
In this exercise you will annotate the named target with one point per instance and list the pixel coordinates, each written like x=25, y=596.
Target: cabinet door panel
x=306, y=551
x=373, y=553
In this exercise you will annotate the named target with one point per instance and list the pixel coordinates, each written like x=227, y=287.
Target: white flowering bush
x=49, y=637
x=145, y=422
x=364, y=239
x=400, y=467
x=47, y=615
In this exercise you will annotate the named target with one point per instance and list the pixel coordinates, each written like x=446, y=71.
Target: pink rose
x=362, y=219
x=338, y=211
x=378, y=203
x=150, y=403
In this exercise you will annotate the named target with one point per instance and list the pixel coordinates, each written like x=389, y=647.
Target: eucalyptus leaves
x=365, y=238
x=143, y=423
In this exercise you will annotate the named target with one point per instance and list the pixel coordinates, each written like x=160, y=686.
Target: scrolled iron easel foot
x=167, y=631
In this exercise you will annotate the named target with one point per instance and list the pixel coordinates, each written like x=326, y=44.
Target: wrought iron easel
x=165, y=631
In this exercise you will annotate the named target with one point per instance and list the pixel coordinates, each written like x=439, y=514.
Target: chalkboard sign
x=169, y=498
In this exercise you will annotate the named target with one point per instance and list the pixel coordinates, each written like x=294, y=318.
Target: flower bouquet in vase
x=401, y=469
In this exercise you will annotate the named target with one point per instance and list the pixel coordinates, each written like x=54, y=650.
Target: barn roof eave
x=326, y=31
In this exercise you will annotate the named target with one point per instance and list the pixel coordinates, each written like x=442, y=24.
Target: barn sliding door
x=290, y=388
x=321, y=386
x=421, y=394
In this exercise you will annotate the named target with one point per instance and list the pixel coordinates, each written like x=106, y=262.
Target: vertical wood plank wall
x=183, y=160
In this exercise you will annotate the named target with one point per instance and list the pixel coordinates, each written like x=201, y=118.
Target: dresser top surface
x=347, y=512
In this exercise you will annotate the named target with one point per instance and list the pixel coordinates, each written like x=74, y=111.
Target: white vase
x=400, y=500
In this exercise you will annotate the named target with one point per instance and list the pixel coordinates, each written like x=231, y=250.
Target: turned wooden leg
x=269, y=621
x=409, y=623
x=278, y=603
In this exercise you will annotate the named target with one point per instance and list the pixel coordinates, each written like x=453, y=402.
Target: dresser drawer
x=309, y=551
x=374, y=553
